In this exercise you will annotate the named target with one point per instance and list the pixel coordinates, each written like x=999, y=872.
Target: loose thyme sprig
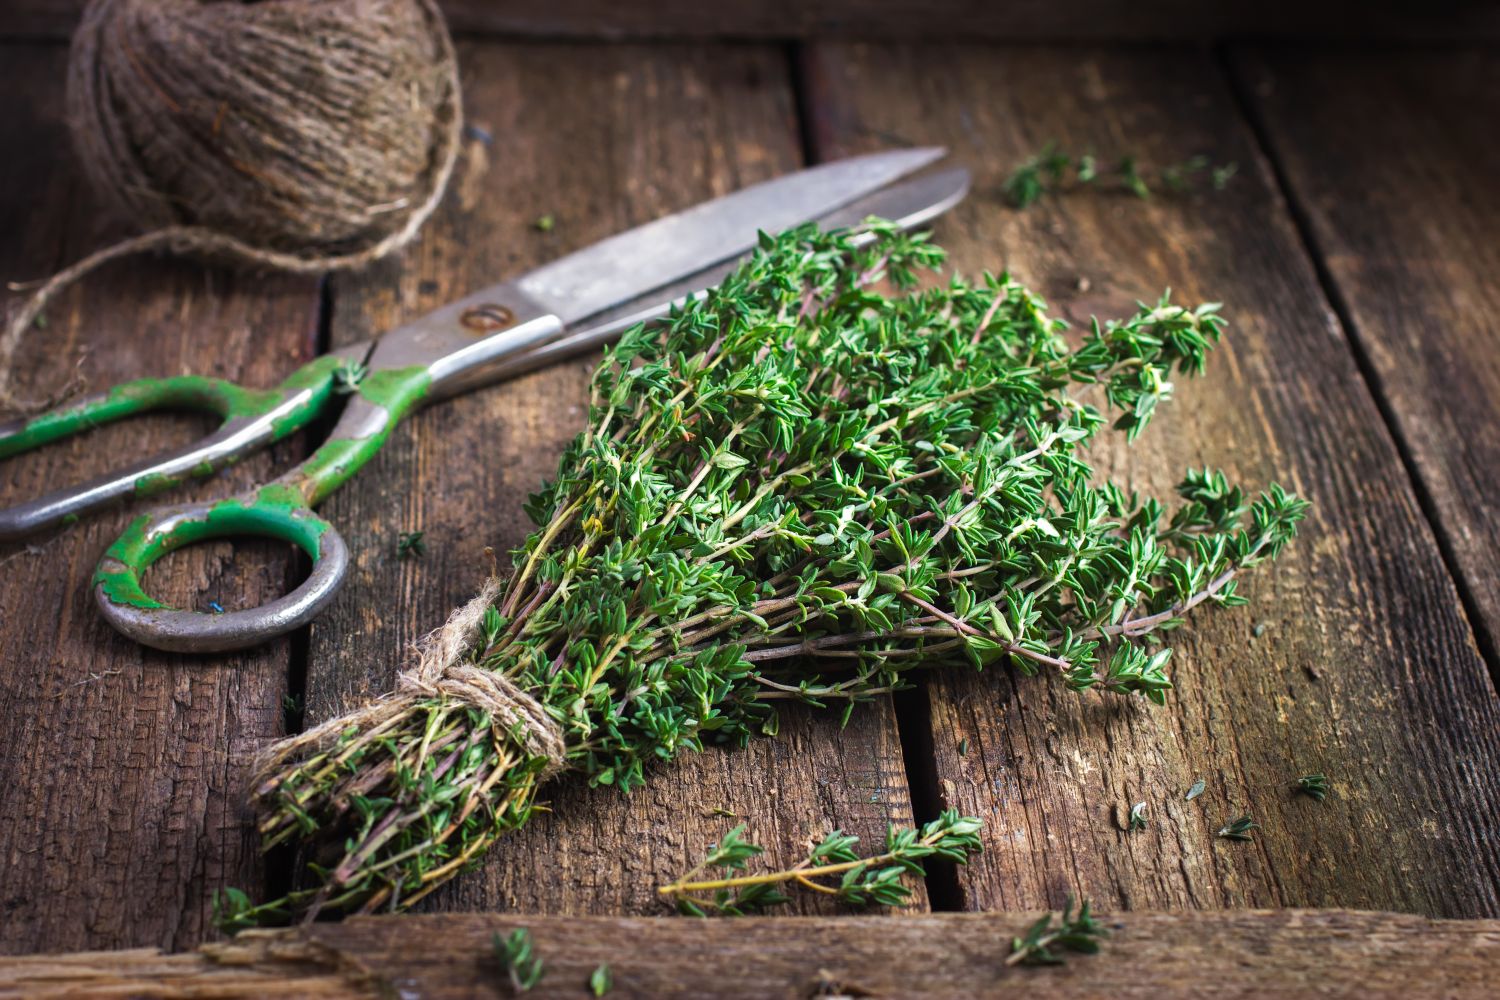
x=1081, y=934
x=516, y=956
x=801, y=488
x=1053, y=169
x=859, y=881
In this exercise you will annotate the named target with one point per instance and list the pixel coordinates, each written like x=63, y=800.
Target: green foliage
x=845, y=875
x=517, y=958
x=601, y=981
x=1137, y=819
x=801, y=488
x=1238, y=829
x=1081, y=933
x=1053, y=170
x=1196, y=790
x=410, y=544
x=1313, y=785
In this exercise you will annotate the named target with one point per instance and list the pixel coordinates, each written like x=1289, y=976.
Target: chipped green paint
x=398, y=391
x=277, y=510
x=191, y=392
x=280, y=509
x=155, y=482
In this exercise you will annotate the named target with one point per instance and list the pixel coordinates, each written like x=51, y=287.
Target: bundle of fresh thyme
x=799, y=488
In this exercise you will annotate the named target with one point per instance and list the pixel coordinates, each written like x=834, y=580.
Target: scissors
x=544, y=316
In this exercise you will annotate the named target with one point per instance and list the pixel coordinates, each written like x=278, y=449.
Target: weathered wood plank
x=1393, y=161
x=634, y=133
x=1354, y=659
x=121, y=769
x=899, y=19
x=1251, y=954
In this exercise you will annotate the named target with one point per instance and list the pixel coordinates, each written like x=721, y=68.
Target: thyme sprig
x=1081, y=933
x=855, y=881
x=802, y=487
x=516, y=955
x=1053, y=170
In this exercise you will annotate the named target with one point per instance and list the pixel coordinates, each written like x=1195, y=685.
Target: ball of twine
x=300, y=135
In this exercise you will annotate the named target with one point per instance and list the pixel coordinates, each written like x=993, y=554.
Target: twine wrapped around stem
x=296, y=135
x=442, y=671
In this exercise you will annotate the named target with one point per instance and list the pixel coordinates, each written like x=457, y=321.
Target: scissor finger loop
x=125, y=604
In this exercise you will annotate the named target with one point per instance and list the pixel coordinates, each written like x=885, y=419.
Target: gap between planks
x=1255, y=118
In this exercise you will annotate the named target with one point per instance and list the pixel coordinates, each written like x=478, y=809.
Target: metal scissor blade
x=633, y=263
x=909, y=204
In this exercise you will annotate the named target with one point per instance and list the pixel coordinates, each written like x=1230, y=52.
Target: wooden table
x=1355, y=255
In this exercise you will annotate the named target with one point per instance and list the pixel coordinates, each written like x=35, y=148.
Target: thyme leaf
x=410, y=544
x=1238, y=828
x=1315, y=786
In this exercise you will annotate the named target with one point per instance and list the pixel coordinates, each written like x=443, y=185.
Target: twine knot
x=443, y=671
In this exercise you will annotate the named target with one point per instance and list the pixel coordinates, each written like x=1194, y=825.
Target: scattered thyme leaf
x=410, y=545
x=1258, y=629
x=1314, y=786
x=833, y=867
x=1052, y=170
x=517, y=958
x=1238, y=829
x=601, y=980
x=1196, y=790
x=347, y=377
x=1080, y=934
x=1137, y=820
x=963, y=747
x=1221, y=176
x=1131, y=179
x=545, y=224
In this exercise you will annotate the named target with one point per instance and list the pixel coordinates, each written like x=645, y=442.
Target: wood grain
x=900, y=19
x=1412, y=257
x=1228, y=954
x=121, y=769
x=1354, y=658
x=634, y=133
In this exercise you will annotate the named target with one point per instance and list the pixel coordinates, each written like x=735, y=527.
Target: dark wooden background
x=1029, y=20
x=1355, y=255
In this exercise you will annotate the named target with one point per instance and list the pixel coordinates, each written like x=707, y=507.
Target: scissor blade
x=908, y=204
x=634, y=263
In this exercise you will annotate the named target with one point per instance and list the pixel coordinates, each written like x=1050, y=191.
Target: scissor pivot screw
x=487, y=318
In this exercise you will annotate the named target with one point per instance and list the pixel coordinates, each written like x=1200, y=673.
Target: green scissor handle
x=431, y=358
x=251, y=420
x=281, y=509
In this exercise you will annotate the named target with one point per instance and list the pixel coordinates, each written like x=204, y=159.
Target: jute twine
x=299, y=135
x=442, y=671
